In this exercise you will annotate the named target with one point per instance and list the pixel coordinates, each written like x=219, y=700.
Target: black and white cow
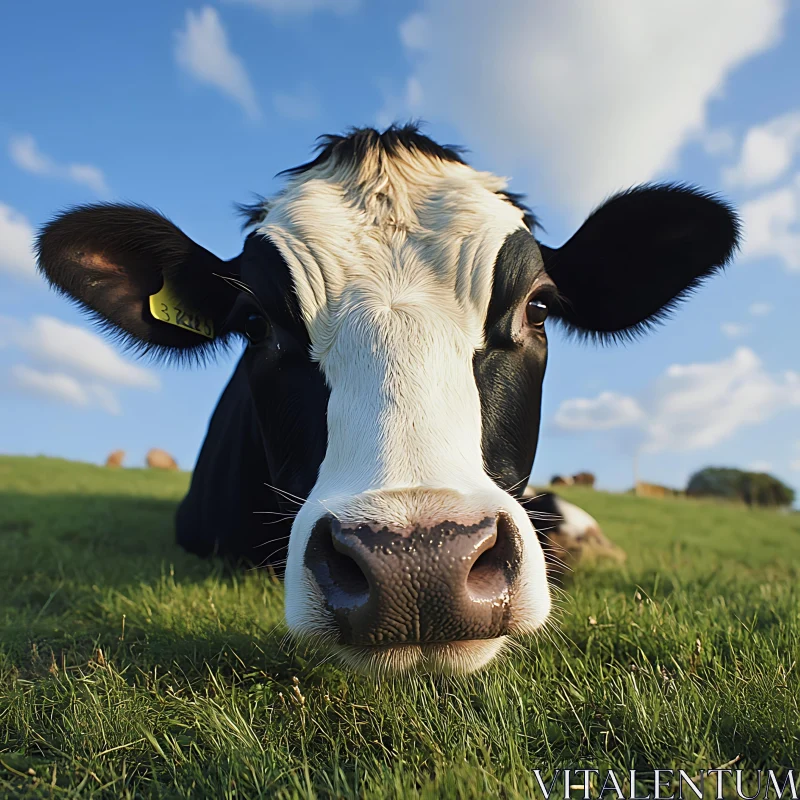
x=393, y=301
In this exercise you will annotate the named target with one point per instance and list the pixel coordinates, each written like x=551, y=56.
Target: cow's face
x=395, y=299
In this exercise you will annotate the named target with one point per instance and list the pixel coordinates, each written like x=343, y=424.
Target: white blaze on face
x=393, y=264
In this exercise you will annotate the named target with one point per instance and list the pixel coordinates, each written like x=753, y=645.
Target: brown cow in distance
x=160, y=459
x=115, y=459
x=584, y=479
x=579, y=479
x=655, y=490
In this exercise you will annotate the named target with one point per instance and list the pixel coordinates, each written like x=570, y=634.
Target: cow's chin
x=446, y=658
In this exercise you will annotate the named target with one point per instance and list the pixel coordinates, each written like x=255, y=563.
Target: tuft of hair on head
x=357, y=145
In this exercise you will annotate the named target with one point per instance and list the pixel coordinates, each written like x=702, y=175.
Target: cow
x=567, y=534
x=384, y=414
x=584, y=479
x=160, y=459
x=115, y=459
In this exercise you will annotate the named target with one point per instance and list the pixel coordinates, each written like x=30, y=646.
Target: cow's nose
x=444, y=583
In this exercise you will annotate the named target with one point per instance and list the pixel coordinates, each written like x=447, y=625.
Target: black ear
x=637, y=256
x=111, y=258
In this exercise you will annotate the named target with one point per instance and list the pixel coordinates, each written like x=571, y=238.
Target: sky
x=192, y=107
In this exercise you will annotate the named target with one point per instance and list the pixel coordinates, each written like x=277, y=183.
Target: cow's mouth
x=440, y=658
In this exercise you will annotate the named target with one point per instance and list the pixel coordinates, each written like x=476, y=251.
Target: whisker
x=532, y=498
x=235, y=282
x=517, y=485
x=272, y=541
x=544, y=516
x=287, y=495
x=322, y=503
x=282, y=513
x=549, y=528
x=267, y=562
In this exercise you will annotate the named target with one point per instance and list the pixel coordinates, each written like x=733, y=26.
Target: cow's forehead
x=407, y=227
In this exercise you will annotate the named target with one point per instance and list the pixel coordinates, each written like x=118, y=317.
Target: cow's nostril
x=347, y=575
x=488, y=578
x=341, y=579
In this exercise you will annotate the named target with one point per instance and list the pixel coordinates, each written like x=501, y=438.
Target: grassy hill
x=130, y=669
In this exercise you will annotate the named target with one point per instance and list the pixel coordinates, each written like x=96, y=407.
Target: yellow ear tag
x=166, y=307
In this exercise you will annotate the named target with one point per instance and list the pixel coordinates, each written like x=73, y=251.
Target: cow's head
x=398, y=297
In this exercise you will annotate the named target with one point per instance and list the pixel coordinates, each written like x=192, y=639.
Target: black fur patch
x=638, y=256
x=110, y=258
x=509, y=371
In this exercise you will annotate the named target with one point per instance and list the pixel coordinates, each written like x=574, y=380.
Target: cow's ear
x=112, y=259
x=637, y=256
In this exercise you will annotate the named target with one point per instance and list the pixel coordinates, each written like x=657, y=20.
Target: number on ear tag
x=167, y=308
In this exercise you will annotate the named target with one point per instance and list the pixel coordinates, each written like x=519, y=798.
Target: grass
x=130, y=669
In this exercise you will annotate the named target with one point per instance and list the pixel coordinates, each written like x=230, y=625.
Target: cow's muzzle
x=448, y=582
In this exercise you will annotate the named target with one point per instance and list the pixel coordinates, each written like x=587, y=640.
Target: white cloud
x=696, y=406
x=16, y=244
x=734, y=330
x=69, y=347
x=301, y=7
x=772, y=225
x=598, y=95
x=760, y=466
x=26, y=155
x=202, y=50
x=88, y=175
x=692, y=406
x=64, y=388
x=760, y=309
x=415, y=32
x=606, y=411
x=767, y=152
x=300, y=105
x=53, y=384
x=105, y=398
x=717, y=141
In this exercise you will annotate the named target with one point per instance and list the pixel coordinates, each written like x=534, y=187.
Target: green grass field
x=130, y=669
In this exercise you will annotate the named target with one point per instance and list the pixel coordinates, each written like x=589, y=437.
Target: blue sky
x=192, y=107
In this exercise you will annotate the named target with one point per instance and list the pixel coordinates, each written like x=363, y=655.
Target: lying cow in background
x=115, y=459
x=385, y=412
x=567, y=533
x=580, y=479
x=160, y=459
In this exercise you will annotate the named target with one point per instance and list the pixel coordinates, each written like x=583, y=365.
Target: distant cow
x=584, y=479
x=160, y=459
x=115, y=459
x=568, y=534
x=580, y=479
x=392, y=301
x=654, y=490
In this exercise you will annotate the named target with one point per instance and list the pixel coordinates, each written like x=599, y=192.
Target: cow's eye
x=256, y=328
x=536, y=311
